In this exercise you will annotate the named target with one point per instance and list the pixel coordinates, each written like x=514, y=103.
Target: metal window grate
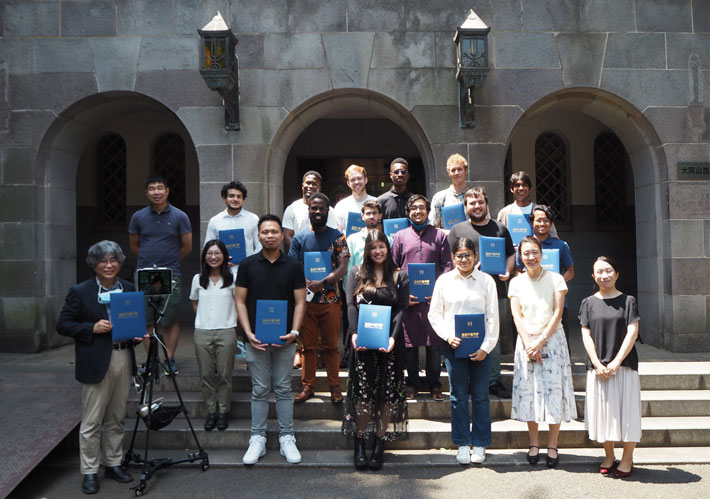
x=169, y=163
x=551, y=175
x=111, y=179
x=609, y=189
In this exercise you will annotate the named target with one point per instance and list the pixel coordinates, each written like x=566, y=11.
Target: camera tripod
x=155, y=416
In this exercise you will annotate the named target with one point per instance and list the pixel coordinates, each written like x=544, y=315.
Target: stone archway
x=339, y=102
x=648, y=163
x=56, y=164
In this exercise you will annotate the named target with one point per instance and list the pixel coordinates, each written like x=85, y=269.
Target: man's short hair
x=372, y=203
x=475, y=192
x=416, y=197
x=319, y=195
x=234, y=185
x=517, y=176
x=101, y=250
x=155, y=179
x=269, y=217
x=400, y=161
x=456, y=159
x=547, y=210
x=355, y=168
x=315, y=174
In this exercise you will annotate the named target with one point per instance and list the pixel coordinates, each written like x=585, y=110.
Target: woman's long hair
x=227, y=276
x=367, y=281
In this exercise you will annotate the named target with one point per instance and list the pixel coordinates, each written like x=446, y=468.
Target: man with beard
x=323, y=310
x=394, y=201
x=295, y=217
x=479, y=224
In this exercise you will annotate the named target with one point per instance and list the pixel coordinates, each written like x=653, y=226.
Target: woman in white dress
x=542, y=380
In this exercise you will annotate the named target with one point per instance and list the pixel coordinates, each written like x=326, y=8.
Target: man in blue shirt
x=161, y=235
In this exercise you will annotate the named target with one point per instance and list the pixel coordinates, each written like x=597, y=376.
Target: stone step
x=652, y=378
x=325, y=434
x=643, y=456
x=669, y=403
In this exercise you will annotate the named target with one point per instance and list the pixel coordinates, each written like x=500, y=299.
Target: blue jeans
x=275, y=365
x=469, y=378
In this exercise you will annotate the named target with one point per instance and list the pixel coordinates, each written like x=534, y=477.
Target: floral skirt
x=376, y=402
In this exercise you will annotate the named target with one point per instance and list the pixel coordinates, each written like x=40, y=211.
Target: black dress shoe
x=533, y=459
x=377, y=458
x=222, y=421
x=552, y=461
x=211, y=421
x=360, y=454
x=118, y=473
x=90, y=485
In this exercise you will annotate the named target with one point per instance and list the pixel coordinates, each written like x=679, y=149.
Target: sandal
x=534, y=459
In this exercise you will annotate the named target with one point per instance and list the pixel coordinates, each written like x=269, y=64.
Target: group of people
x=367, y=267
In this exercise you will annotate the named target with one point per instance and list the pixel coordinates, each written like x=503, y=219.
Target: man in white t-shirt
x=295, y=217
x=356, y=178
x=520, y=186
x=457, y=168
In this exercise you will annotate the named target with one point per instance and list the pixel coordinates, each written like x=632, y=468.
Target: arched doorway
x=597, y=160
x=94, y=159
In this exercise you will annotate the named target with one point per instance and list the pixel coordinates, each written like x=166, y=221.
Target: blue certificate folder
x=519, y=227
x=551, y=260
x=394, y=225
x=355, y=223
x=452, y=215
x=316, y=265
x=127, y=315
x=373, y=326
x=236, y=245
x=471, y=328
x=492, y=251
x=271, y=316
x=421, y=280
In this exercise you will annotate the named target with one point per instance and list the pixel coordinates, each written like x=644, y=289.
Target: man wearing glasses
x=394, y=201
x=480, y=224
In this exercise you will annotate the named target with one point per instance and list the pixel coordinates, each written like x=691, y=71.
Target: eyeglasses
x=400, y=172
x=107, y=261
x=213, y=253
x=417, y=208
x=460, y=257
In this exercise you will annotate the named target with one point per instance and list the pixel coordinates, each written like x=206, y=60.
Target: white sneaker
x=257, y=448
x=478, y=455
x=289, y=449
x=464, y=455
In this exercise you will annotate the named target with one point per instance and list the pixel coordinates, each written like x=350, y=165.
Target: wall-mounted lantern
x=219, y=66
x=471, y=64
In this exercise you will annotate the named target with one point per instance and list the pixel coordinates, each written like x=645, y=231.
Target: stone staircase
x=675, y=407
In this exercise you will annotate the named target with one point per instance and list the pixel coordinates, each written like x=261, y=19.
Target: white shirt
x=216, y=308
x=296, y=217
x=243, y=220
x=472, y=294
x=345, y=206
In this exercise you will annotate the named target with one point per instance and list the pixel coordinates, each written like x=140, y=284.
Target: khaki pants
x=214, y=349
x=103, y=415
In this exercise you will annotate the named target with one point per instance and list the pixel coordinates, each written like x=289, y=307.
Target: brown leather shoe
x=304, y=394
x=297, y=359
x=335, y=395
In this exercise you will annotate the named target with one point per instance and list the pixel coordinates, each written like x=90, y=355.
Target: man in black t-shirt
x=480, y=224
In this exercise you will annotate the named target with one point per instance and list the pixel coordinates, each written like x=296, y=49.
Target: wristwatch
x=293, y=331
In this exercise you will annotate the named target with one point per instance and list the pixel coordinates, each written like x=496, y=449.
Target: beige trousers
x=103, y=415
x=214, y=349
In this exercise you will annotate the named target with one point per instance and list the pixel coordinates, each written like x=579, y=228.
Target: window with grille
x=551, y=175
x=507, y=172
x=169, y=163
x=609, y=189
x=111, y=179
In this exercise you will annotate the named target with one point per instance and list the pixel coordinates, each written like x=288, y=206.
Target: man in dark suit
x=103, y=368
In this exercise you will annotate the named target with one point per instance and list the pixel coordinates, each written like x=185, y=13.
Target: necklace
x=538, y=277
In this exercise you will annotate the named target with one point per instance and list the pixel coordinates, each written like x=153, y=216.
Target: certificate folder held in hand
x=492, y=251
x=373, y=326
x=271, y=321
x=452, y=215
x=471, y=328
x=422, y=277
x=233, y=239
x=394, y=225
x=316, y=265
x=519, y=227
x=127, y=315
x=551, y=259
x=355, y=223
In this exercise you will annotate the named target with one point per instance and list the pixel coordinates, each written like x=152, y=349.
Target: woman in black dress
x=376, y=403
x=610, y=327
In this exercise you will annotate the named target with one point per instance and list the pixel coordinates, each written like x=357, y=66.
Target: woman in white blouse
x=466, y=290
x=213, y=299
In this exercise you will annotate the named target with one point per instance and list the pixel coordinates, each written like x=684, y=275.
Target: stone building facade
x=603, y=102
